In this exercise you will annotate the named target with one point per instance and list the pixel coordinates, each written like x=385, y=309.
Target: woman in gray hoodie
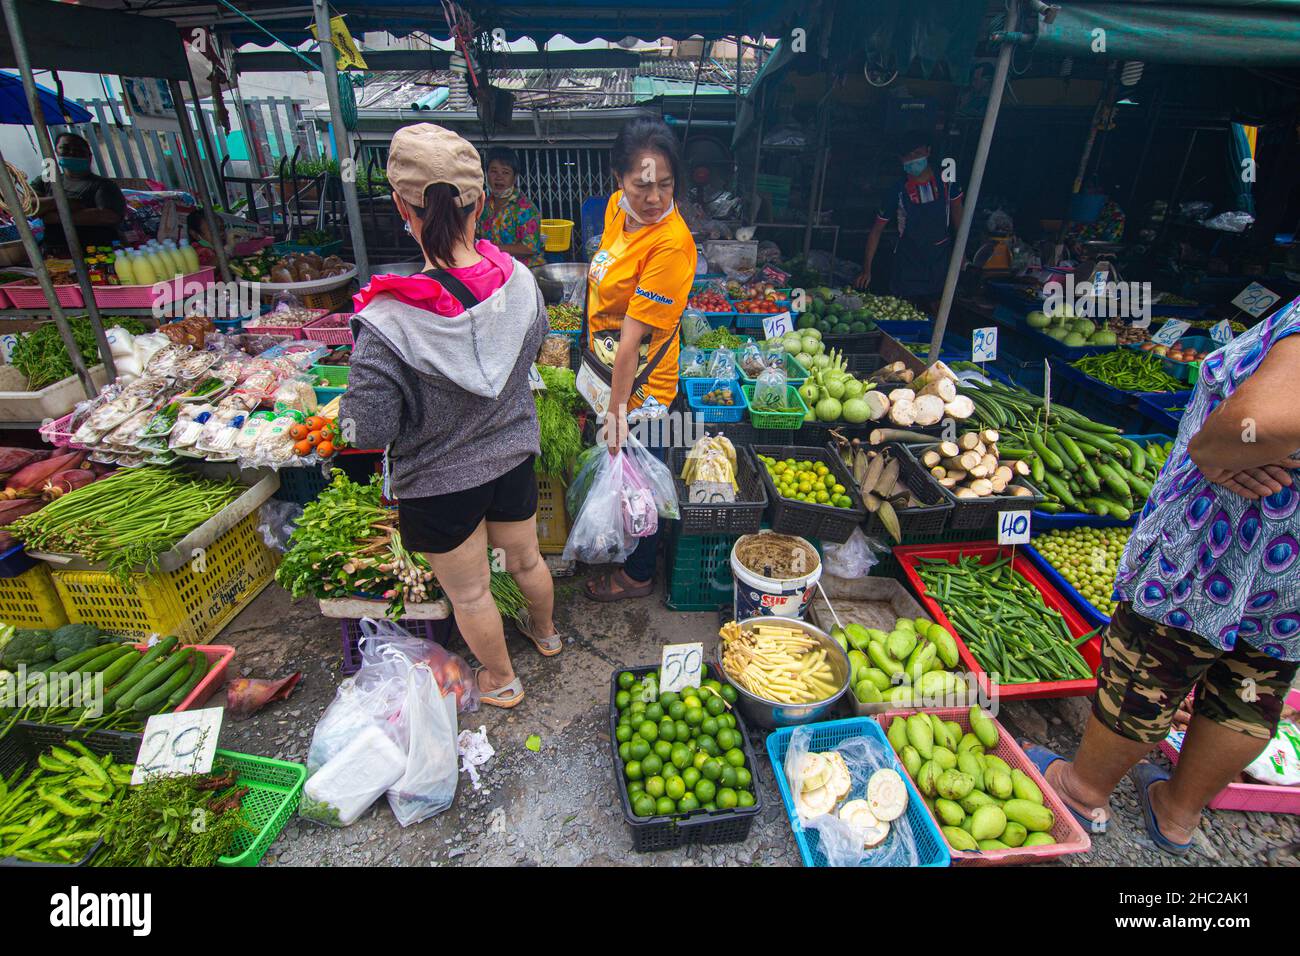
x=440, y=381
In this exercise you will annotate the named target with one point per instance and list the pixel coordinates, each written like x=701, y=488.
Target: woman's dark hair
x=645, y=135
x=442, y=222
x=505, y=155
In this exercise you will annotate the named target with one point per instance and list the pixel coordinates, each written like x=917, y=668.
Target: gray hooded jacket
x=447, y=397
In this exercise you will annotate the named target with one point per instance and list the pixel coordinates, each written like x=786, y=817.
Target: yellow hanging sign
x=348, y=55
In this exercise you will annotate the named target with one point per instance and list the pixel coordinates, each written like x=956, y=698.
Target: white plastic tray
x=267, y=289
x=357, y=608
x=53, y=401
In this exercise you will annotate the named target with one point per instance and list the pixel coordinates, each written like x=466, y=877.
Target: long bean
x=1129, y=370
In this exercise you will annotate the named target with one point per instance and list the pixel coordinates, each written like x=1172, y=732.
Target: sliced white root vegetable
x=902, y=395
x=958, y=474
x=857, y=814
x=990, y=463
x=944, y=389
x=902, y=412
x=815, y=803
x=1003, y=473
x=960, y=407
x=1019, y=467
x=938, y=471
x=979, y=471
x=931, y=458
x=841, y=781
x=966, y=493
x=887, y=794
x=813, y=772
x=991, y=436
x=948, y=482
x=928, y=410
x=968, y=441
x=949, y=449
x=969, y=460
x=878, y=405
x=999, y=484
x=981, y=487
x=1020, y=491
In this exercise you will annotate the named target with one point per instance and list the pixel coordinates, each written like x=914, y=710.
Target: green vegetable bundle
x=1001, y=616
x=43, y=358
x=1078, y=464
x=719, y=339
x=1129, y=370
x=561, y=438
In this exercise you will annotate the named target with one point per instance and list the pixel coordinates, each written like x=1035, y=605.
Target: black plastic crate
x=700, y=826
x=350, y=634
x=823, y=522
x=744, y=434
x=972, y=513
x=26, y=741
x=931, y=519
x=855, y=343
x=743, y=516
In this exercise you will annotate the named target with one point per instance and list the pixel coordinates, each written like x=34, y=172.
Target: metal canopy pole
x=9, y=192
x=342, y=145
x=200, y=181
x=705, y=49
x=205, y=134
x=976, y=180
x=75, y=251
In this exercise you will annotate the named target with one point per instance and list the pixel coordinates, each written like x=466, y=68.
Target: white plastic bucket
x=760, y=596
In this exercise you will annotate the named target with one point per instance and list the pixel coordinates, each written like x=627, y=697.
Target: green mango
x=944, y=757
x=987, y=823
x=920, y=661
x=1024, y=788
x=926, y=777
x=942, y=685
x=867, y=692
x=954, y=732
x=857, y=664
x=920, y=734
x=941, y=736
x=1039, y=839
x=900, y=644
x=986, y=845
x=969, y=742
x=970, y=763
x=837, y=635
x=959, y=839
x=1014, y=834
x=944, y=643
x=897, y=734
x=993, y=760
x=857, y=636
x=900, y=694
x=949, y=813
x=1034, y=817
x=982, y=725
x=877, y=677
x=912, y=761
x=953, y=785
x=998, y=784
x=976, y=799
x=880, y=657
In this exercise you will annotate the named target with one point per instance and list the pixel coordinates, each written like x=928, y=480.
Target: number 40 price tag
x=680, y=666
x=1013, y=527
x=183, y=743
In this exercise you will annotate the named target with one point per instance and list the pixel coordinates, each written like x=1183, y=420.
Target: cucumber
x=200, y=671
x=1090, y=477
x=1071, y=448
x=153, y=679
x=70, y=664
x=120, y=667
x=1050, y=461
x=1114, y=483
x=156, y=698
x=103, y=661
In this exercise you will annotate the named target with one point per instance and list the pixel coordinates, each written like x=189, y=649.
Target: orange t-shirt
x=647, y=275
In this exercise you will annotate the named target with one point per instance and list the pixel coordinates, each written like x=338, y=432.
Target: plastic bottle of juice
x=157, y=261
x=142, y=267
x=122, y=266
x=182, y=266
x=190, y=256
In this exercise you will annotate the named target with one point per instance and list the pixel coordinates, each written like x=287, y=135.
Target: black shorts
x=442, y=523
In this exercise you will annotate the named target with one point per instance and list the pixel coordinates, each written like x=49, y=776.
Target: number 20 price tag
x=1013, y=527
x=183, y=743
x=680, y=666
x=984, y=344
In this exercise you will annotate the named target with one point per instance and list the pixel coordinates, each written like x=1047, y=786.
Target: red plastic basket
x=1251, y=797
x=334, y=329
x=33, y=296
x=144, y=296
x=988, y=551
x=1069, y=836
x=219, y=657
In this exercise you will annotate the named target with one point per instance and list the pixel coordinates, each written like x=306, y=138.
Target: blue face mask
x=77, y=165
x=915, y=167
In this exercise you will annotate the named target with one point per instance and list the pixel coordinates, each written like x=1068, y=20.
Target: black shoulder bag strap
x=453, y=285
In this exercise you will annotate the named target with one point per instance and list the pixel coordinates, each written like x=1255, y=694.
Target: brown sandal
x=601, y=588
x=546, y=646
x=507, y=696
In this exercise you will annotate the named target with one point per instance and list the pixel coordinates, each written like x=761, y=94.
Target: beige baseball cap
x=423, y=154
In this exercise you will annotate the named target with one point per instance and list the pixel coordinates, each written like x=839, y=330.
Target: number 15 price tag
x=777, y=325
x=183, y=744
x=680, y=666
x=1013, y=527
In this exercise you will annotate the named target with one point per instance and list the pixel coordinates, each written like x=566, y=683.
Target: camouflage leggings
x=1147, y=669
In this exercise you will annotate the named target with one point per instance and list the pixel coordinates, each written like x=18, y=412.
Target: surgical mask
x=915, y=167
x=624, y=205
x=75, y=164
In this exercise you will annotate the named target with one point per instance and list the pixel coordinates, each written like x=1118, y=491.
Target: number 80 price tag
x=1013, y=527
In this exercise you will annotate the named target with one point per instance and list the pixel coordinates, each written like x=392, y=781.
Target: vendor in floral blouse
x=510, y=221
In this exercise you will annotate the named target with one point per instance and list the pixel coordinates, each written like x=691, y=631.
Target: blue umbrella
x=13, y=104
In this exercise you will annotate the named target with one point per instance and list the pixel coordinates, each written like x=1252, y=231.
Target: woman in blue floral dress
x=1209, y=591
x=509, y=221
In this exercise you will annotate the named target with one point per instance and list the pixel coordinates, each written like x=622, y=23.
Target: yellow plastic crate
x=31, y=600
x=552, y=519
x=193, y=602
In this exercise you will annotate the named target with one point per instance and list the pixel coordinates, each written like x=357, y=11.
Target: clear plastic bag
x=722, y=364
x=598, y=535
x=428, y=785
x=640, y=515
x=840, y=843
x=694, y=325
x=694, y=363
x=770, y=390
x=353, y=779
x=387, y=648
x=276, y=522
x=657, y=477
x=751, y=359
x=852, y=559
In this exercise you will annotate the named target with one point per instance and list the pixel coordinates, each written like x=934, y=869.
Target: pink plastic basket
x=144, y=296
x=219, y=657
x=1069, y=836
x=295, y=331
x=33, y=296
x=1251, y=797
x=335, y=329
x=58, y=432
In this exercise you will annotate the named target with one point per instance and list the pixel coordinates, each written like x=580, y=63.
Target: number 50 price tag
x=1013, y=527
x=183, y=744
x=680, y=666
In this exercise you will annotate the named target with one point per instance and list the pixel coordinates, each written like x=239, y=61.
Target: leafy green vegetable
x=561, y=438
x=719, y=339
x=73, y=639
x=43, y=359
x=28, y=646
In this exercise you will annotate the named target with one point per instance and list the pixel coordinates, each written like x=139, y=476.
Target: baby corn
x=777, y=662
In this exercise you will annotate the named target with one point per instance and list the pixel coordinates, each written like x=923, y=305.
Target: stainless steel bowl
x=770, y=714
x=562, y=282
x=397, y=268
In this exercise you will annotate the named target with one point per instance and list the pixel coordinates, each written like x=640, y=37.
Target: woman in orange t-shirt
x=637, y=286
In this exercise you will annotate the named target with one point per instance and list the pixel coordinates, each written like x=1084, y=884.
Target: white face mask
x=627, y=208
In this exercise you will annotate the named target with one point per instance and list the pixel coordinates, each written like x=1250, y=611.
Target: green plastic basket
x=274, y=789
x=699, y=571
x=784, y=420
x=336, y=375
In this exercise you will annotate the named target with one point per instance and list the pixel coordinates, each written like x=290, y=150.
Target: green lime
x=664, y=806
x=698, y=761
x=694, y=716
x=670, y=770
x=633, y=770
x=643, y=805
x=705, y=790
x=690, y=777
x=639, y=748
x=668, y=698
x=726, y=738
x=623, y=733
x=688, y=693
x=652, y=765
x=626, y=680
x=682, y=730
x=636, y=708
x=704, y=671
x=622, y=699
x=729, y=693
x=746, y=798
x=655, y=786
x=687, y=803
x=680, y=756
x=667, y=730
x=677, y=710
x=625, y=752
x=662, y=749
x=709, y=726
x=735, y=756
x=712, y=769
x=728, y=721
x=713, y=685
x=714, y=705
x=727, y=798
x=729, y=777
x=709, y=746
x=634, y=787
x=648, y=731
x=654, y=712
x=744, y=778
x=675, y=788
x=636, y=690
x=709, y=806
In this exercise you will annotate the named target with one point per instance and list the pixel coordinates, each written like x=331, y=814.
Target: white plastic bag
x=428, y=785
x=346, y=786
x=598, y=535
x=353, y=711
x=852, y=559
x=657, y=477
x=1279, y=764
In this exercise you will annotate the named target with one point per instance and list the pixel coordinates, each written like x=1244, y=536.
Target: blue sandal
x=1145, y=774
x=1042, y=758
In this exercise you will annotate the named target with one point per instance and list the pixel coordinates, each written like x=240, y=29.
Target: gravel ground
x=559, y=806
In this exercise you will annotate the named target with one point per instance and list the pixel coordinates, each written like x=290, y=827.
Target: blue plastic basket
x=1153, y=408
x=1094, y=399
x=1094, y=617
x=697, y=388
x=1043, y=521
x=930, y=847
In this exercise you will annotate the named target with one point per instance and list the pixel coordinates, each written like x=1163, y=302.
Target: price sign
x=1013, y=527
x=984, y=344
x=1221, y=332
x=178, y=744
x=535, y=381
x=1255, y=299
x=7, y=343
x=1170, y=332
x=680, y=666
x=777, y=324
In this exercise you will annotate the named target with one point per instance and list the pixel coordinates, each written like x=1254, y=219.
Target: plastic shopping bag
x=657, y=477
x=428, y=785
x=770, y=390
x=353, y=779
x=640, y=515
x=598, y=535
x=852, y=559
x=388, y=650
